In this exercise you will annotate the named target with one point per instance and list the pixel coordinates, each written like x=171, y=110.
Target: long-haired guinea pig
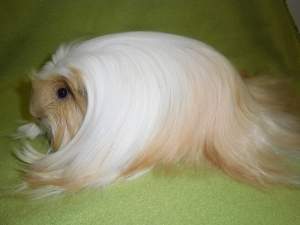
x=119, y=105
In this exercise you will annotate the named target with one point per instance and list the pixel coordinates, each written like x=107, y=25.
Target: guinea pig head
x=59, y=104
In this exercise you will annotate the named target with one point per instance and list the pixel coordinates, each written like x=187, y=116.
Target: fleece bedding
x=258, y=37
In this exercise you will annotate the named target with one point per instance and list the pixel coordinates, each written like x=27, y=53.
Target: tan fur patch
x=62, y=114
x=172, y=143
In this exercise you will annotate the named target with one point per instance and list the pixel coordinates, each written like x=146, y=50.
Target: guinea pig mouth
x=57, y=134
x=45, y=126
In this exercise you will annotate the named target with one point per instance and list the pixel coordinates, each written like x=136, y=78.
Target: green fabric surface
x=258, y=36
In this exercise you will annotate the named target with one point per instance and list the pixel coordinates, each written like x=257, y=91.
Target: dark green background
x=256, y=35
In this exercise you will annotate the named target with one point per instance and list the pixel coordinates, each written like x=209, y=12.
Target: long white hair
x=158, y=99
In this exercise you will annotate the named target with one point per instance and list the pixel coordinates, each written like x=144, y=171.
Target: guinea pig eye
x=62, y=92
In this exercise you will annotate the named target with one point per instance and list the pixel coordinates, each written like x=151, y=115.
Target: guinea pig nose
x=35, y=112
x=32, y=112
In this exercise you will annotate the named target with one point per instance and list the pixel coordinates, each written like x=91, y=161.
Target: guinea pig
x=119, y=105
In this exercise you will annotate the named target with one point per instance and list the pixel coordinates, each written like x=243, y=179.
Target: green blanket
x=258, y=36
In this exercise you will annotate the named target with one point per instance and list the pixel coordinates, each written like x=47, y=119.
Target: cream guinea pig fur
x=119, y=105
